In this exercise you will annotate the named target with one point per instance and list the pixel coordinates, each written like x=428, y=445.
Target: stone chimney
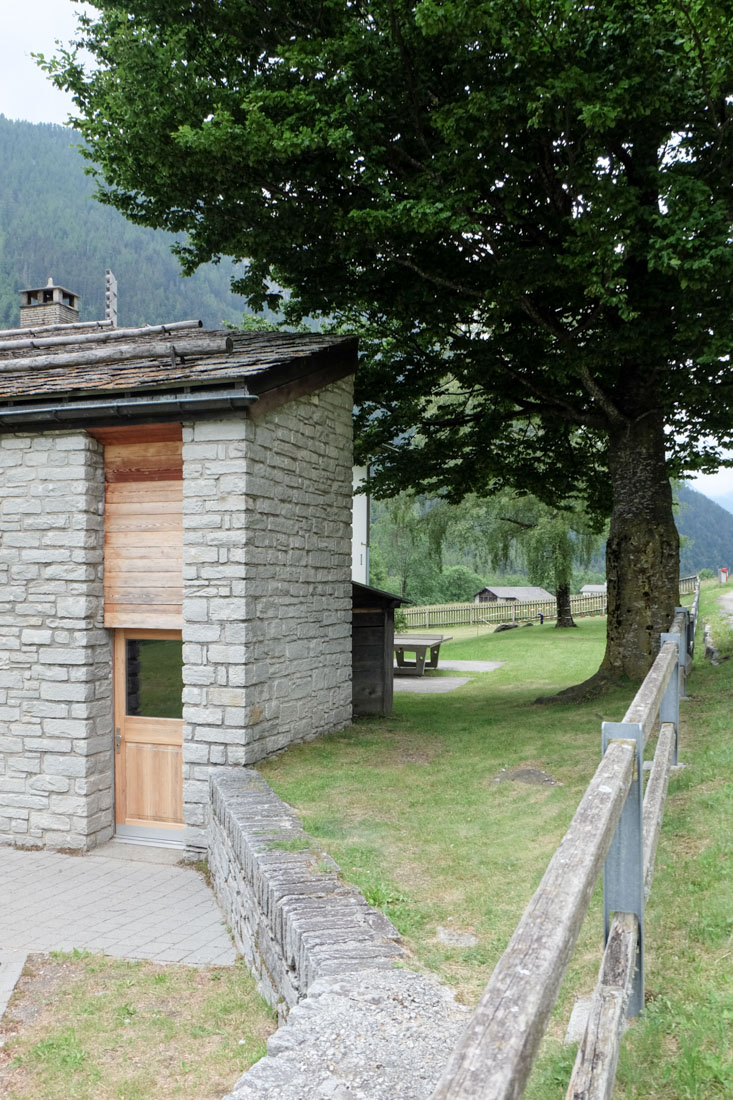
x=49, y=305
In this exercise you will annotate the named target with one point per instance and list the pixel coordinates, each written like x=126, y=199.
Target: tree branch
x=435, y=280
x=518, y=523
x=601, y=398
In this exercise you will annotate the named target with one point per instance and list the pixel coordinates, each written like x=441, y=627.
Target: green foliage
x=523, y=208
x=378, y=576
x=459, y=584
x=549, y=541
x=407, y=534
x=502, y=183
x=414, y=538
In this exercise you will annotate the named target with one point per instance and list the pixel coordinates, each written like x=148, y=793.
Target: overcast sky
x=26, y=93
x=25, y=28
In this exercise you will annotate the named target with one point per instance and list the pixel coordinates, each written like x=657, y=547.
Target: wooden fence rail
x=612, y=830
x=475, y=614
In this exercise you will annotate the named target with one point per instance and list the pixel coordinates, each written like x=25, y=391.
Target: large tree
x=528, y=203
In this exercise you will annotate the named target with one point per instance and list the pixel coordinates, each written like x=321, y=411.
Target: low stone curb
x=359, y=1023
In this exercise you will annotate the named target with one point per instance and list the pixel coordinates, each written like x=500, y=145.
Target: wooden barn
x=175, y=558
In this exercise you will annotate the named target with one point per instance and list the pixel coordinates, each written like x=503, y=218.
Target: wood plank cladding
x=143, y=462
x=138, y=433
x=143, y=535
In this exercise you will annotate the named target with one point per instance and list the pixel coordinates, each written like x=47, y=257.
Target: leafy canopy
x=526, y=204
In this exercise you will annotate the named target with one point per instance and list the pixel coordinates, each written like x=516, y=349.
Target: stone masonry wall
x=56, y=762
x=358, y=1020
x=292, y=917
x=267, y=591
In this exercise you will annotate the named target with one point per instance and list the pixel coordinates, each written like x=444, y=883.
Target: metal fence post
x=685, y=654
x=623, y=872
x=669, y=708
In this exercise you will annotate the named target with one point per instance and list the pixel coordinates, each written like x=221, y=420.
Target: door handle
x=118, y=740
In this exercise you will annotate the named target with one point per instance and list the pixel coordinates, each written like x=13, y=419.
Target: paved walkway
x=436, y=685
x=424, y=685
x=471, y=666
x=114, y=901
x=725, y=599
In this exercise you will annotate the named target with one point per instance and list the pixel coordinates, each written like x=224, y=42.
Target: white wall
x=360, y=528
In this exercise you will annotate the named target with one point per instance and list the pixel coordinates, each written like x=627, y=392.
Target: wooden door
x=148, y=733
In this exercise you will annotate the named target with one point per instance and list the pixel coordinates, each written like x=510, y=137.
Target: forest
x=51, y=226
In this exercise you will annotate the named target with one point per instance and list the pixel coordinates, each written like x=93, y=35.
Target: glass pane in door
x=154, y=678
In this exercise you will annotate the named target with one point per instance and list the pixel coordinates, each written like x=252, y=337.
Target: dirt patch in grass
x=97, y=1028
x=42, y=977
x=527, y=773
x=416, y=756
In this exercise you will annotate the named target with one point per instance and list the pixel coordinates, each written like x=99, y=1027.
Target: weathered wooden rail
x=615, y=830
x=474, y=614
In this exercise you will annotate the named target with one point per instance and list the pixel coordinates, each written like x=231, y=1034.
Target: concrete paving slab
x=118, y=906
x=471, y=666
x=138, y=853
x=11, y=967
x=423, y=685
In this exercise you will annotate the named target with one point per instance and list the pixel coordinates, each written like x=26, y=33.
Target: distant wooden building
x=512, y=594
x=372, y=640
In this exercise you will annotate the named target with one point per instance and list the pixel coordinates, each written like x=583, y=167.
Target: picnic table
x=425, y=648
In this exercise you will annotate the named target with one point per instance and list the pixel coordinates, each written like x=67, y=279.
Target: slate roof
x=69, y=364
x=252, y=355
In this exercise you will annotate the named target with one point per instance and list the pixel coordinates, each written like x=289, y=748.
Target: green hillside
x=706, y=530
x=51, y=226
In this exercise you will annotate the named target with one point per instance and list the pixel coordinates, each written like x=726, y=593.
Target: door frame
x=159, y=831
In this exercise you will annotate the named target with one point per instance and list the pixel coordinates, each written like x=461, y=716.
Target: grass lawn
x=446, y=814
x=88, y=1027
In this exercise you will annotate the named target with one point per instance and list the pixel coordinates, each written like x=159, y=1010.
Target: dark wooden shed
x=373, y=649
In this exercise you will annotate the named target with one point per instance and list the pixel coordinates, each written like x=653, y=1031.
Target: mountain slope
x=707, y=531
x=51, y=226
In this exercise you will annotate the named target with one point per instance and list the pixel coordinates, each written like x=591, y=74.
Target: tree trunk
x=642, y=559
x=564, y=614
x=642, y=552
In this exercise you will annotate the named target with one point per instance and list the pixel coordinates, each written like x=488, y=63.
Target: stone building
x=175, y=562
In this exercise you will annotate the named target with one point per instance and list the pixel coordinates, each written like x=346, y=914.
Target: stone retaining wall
x=358, y=1021
x=292, y=918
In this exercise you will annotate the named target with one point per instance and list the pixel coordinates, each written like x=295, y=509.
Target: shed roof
x=364, y=595
x=45, y=368
x=523, y=593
